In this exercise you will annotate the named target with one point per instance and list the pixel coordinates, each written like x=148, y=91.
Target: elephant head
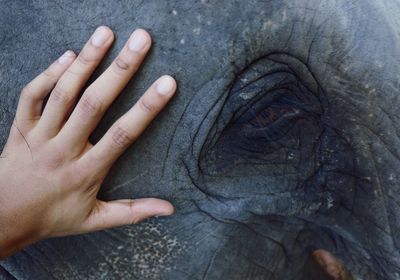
x=283, y=137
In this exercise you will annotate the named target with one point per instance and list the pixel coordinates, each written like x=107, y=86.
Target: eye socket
x=272, y=135
x=273, y=111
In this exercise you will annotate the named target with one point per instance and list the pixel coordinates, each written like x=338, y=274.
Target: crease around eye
x=272, y=126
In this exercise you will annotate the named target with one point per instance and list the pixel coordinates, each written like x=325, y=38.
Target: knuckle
x=55, y=160
x=121, y=137
x=133, y=213
x=27, y=93
x=50, y=77
x=48, y=73
x=147, y=106
x=90, y=105
x=72, y=71
x=83, y=174
x=84, y=59
x=120, y=65
x=60, y=96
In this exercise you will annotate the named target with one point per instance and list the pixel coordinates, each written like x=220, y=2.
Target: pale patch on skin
x=196, y=31
x=284, y=15
x=246, y=95
x=147, y=251
x=269, y=25
x=291, y=156
x=330, y=201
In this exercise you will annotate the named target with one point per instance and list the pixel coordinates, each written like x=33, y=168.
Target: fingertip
x=67, y=57
x=139, y=41
x=152, y=207
x=166, y=85
x=169, y=209
x=106, y=29
x=160, y=207
x=145, y=33
x=102, y=36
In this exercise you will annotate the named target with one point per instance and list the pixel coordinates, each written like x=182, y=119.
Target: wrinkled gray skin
x=283, y=137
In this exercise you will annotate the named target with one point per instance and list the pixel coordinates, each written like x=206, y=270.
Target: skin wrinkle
x=5, y=273
x=253, y=80
x=129, y=182
x=246, y=257
x=224, y=99
x=15, y=124
x=211, y=262
x=177, y=126
x=292, y=36
x=387, y=216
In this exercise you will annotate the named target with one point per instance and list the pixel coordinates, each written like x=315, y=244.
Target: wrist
x=12, y=241
x=17, y=228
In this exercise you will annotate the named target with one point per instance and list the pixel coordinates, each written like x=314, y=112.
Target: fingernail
x=163, y=215
x=165, y=85
x=100, y=36
x=66, y=57
x=138, y=40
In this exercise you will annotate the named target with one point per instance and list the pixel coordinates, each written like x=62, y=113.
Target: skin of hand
x=329, y=266
x=50, y=173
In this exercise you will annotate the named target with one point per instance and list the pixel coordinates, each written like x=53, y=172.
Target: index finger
x=129, y=127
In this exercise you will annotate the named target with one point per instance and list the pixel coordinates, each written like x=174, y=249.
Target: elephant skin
x=283, y=137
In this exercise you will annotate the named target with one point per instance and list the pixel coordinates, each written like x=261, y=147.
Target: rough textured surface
x=283, y=138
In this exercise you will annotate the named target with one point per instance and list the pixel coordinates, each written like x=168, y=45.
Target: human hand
x=50, y=173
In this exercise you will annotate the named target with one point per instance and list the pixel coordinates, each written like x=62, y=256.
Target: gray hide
x=283, y=137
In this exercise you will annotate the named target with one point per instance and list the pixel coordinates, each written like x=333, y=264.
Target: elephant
x=283, y=137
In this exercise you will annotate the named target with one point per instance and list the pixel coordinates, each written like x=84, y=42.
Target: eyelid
x=260, y=90
x=258, y=105
x=266, y=79
x=262, y=119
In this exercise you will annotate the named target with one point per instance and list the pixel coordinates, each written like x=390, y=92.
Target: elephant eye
x=273, y=112
x=271, y=122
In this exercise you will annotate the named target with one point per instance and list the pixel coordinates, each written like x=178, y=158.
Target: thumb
x=125, y=211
